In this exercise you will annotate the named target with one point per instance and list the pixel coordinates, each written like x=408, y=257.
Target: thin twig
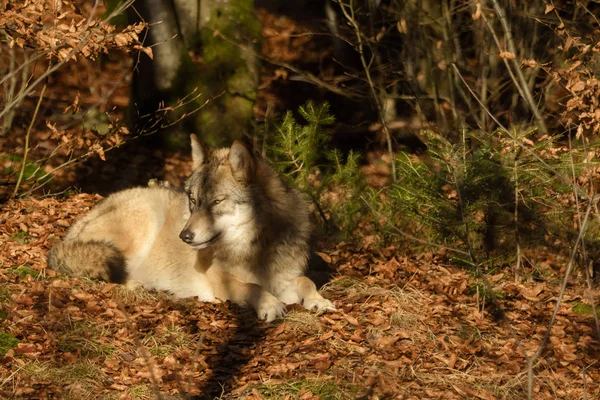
x=544, y=342
x=511, y=47
x=516, y=215
x=145, y=132
x=471, y=253
x=51, y=69
x=586, y=267
x=26, y=152
x=552, y=170
x=409, y=236
x=348, y=11
x=306, y=76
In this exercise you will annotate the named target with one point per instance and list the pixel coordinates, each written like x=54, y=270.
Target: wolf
x=236, y=232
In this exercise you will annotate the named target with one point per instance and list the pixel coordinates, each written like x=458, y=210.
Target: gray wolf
x=237, y=233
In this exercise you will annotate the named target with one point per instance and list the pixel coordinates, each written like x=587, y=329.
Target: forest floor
x=409, y=324
x=408, y=327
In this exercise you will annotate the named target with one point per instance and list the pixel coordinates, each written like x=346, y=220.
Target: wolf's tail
x=92, y=259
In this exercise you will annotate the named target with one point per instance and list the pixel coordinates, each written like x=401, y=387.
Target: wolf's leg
x=303, y=291
x=193, y=284
x=227, y=286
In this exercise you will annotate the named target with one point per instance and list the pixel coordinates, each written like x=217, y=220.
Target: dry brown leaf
x=507, y=55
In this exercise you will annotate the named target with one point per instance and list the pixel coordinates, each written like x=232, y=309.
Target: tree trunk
x=221, y=36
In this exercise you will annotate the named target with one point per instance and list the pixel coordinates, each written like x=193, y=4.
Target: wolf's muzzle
x=188, y=237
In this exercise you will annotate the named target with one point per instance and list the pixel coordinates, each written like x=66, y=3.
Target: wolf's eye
x=217, y=202
x=192, y=200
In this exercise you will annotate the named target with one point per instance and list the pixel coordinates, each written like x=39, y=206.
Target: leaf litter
x=407, y=327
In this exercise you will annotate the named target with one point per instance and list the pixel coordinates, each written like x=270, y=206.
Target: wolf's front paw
x=270, y=308
x=317, y=303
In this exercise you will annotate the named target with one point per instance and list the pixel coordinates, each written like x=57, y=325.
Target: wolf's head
x=220, y=199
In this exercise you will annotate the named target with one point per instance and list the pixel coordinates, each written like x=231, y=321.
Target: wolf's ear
x=241, y=161
x=198, y=152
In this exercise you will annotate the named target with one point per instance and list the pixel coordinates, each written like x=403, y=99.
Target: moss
x=24, y=270
x=228, y=66
x=236, y=21
x=224, y=120
x=582, y=308
x=238, y=109
x=240, y=82
x=33, y=171
x=20, y=237
x=7, y=342
x=207, y=118
x=4, y=295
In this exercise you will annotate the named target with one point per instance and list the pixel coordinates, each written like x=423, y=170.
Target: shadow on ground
x=233, y=354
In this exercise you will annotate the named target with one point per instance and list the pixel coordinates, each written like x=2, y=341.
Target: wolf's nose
x=186, y=236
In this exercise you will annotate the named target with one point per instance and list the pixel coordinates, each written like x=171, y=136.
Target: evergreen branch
x=409, y=236
x=549, y=168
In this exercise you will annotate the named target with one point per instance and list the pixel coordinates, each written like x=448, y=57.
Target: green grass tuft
x=4, y=295
x=484, y=293
x=33, y=171
x=84, y=337
x=24, y=270
x=167, y=341
x=21, y=237
x=322, y=389
x=87, y=375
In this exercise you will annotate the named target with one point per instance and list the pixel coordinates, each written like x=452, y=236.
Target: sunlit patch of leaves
x=167, y=340
x=407, y=300
x=82, y=377
x=137, y=392
x=500, y=385
x=404, y=325
x=304, y=320
x=309, y=388
x=141, y=392
x=71, y=33
x=84, y=337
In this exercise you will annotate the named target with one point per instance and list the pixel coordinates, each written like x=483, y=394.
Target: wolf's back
x=90, y=259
